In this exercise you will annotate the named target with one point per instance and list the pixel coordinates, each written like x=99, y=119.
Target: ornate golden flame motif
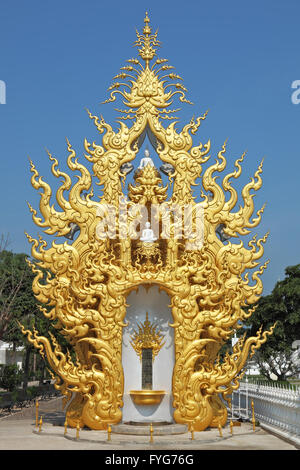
x=147, y=338
x=89, y=279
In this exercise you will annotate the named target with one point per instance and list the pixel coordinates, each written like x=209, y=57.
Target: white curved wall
x=156, y=303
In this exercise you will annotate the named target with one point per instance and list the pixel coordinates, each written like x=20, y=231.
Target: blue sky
x=238, y=59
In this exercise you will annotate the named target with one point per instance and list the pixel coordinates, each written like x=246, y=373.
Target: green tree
x=18, y=304
x=22, y=306
x=12, y=278
x=281, y=306
x=10, y=377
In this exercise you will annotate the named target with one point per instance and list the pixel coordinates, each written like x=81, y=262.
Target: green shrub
x=32, y=392
x=14, y=395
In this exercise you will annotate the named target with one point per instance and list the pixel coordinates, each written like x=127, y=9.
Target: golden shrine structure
x=119, y=250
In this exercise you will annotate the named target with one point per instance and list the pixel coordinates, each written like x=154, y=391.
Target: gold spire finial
x=147, y=29
x=147, y=40
x=148, y=90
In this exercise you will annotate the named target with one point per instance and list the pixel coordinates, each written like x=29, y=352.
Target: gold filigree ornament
x=148, y=257
x=147, y=338
x=88, y=278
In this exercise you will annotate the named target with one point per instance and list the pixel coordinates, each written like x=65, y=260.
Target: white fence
x=276, y=405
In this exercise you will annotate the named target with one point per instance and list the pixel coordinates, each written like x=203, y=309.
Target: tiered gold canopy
x=89, y=278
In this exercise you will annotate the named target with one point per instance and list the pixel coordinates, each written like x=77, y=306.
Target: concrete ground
x=18, y=432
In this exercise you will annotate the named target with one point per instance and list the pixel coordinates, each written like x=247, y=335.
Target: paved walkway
x=19, y=433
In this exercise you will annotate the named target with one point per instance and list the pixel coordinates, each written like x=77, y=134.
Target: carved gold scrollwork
x=84, y=281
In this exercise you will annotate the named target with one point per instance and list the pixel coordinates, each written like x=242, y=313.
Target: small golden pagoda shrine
x=147, y=236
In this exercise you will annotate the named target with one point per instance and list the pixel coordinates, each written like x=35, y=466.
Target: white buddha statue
x=148, y=234
x=147, y=160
